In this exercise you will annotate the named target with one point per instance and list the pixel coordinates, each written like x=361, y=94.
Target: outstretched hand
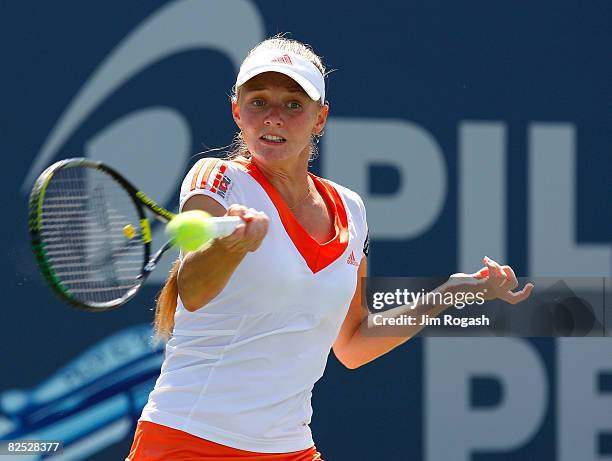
x=494, y=281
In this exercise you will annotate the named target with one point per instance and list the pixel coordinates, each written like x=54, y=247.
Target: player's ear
x=236, y=111
x=321, y=118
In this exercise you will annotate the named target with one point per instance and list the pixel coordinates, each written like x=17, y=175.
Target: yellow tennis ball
x=189, y=229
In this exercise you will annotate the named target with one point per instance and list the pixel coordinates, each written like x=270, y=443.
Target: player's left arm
x=354, y=348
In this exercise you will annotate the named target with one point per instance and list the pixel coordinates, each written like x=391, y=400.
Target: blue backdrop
x=469, y=129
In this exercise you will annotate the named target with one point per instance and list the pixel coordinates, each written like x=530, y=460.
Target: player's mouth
x=272, y=139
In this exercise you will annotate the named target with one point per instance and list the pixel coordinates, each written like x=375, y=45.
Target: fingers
x=496, y=276
x=511, y=282
x=250, y=233
x=502, y=281
x=494, y=281
x=256, y=229
x=238, y=210
x=518, y=296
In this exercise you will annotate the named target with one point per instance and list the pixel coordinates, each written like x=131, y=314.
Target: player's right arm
x=205, y=272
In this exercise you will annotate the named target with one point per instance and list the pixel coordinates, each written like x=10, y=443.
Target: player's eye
x=294, y=105
x=258, y=102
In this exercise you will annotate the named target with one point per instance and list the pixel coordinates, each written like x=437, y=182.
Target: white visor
x=290, y=64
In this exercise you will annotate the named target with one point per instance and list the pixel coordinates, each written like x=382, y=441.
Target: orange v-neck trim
x=317, y=255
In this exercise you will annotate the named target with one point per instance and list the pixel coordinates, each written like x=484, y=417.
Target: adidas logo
x=284, y=59
x=351, y=260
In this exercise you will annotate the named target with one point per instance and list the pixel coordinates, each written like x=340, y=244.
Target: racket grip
x=224, y=225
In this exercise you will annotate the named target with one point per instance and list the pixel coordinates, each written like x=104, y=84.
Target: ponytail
x=166, y=305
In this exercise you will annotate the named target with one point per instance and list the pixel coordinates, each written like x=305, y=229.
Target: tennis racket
x=90, y=234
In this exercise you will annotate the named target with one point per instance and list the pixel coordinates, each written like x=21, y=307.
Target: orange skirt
x=154, y=442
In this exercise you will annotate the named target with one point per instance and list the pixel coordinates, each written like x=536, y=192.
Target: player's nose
x=273, y=117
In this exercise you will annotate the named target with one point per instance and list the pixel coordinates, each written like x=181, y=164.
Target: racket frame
x=141, y=202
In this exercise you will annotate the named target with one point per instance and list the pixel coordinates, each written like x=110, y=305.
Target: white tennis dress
x=240, y=370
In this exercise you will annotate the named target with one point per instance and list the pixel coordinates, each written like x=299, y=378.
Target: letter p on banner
x=453, y=428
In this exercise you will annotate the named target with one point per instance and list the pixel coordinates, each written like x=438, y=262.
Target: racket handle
x=224, y=225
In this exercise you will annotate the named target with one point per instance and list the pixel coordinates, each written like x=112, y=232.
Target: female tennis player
x=252, y=317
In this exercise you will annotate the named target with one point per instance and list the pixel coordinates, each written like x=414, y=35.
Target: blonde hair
x=165, y=307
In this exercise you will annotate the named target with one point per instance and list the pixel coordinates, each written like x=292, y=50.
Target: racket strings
x=84, y=217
